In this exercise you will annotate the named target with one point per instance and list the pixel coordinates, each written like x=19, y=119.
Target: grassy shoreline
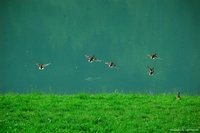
x=38, y=112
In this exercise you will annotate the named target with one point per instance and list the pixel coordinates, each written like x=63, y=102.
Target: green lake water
x=124, y=31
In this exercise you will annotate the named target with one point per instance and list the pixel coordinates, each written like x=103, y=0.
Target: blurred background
x=124, y=31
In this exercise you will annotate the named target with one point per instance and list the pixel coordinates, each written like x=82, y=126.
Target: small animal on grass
x=178, y=97
x=154, y=56
x=41, y=66
x=111, y=64
x=92, y=58
x=151, y=71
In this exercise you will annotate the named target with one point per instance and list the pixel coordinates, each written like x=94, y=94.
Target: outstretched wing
x=98, y=60
x=87, y=56
x=37, y=63
x=116, y=67
x=150, y=55
x=159, y=58
x=47, y=64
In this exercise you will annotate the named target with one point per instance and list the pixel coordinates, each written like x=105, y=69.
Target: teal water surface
x=124, y=31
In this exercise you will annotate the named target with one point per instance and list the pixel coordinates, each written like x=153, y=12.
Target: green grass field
x=98, y=113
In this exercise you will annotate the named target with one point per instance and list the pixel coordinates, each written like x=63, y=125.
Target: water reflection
x=92, y=79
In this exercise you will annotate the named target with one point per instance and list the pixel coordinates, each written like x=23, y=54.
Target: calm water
x=124, y=31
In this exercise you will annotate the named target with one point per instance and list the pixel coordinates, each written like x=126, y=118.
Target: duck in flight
x=92, y=58
x=154, y=56
x=151, y=71
x=41, y=66
x=111, y=64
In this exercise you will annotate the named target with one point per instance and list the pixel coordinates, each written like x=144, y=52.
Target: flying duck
x=111, y=64
x=151, y=71
x=154, y=56
x=41, y=66
x=92, y=58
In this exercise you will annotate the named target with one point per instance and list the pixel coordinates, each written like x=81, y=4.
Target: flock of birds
x=112, y=65
x=92, y=58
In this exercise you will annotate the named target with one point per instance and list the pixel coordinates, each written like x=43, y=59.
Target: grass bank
x=117, y=113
